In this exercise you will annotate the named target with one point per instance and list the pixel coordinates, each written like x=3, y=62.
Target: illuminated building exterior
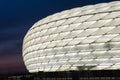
x=83, y=38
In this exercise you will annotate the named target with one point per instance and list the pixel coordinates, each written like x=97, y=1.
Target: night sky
x=16, y=17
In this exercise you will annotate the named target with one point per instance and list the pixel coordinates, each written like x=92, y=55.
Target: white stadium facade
x=82, y=38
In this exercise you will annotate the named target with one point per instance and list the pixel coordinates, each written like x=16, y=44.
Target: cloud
x=11, y=45
x=12, y=64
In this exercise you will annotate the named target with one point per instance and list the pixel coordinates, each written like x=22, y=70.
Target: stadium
x=80, y=42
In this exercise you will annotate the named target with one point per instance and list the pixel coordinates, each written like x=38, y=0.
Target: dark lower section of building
x=68, y=75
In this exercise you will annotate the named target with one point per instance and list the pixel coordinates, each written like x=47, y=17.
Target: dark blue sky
x=16, y=17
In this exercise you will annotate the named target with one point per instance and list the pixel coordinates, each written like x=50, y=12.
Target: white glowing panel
x=77, y=39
